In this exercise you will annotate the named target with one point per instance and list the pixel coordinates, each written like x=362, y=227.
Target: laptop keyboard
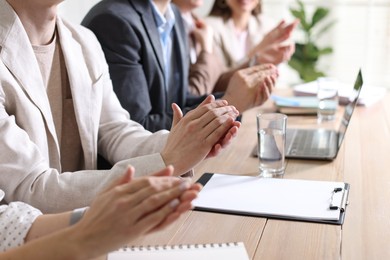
x=313, y=143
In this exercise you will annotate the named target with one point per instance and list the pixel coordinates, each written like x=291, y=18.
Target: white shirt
x=189, y=24
x=15, y=222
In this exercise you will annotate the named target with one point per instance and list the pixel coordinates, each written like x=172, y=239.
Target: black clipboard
x=340, y=206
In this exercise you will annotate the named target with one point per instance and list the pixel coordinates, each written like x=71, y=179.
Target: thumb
x=127, y=177
x=207, y=100
x=167, y=171
x=177, y=114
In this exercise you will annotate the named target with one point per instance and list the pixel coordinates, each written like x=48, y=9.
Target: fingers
x=282, y=31
x=177, y=114
x=230, y=135
x=215, y=150
x=225, y=140
x=208, y=104
x=294, y=24
x=289, y=28
x=214, y=113
x=167, y=171
x=207, y=100
x=199, y=23
x=196, y=187
x=188, y=195
x=286, y=52
x=266, y=68
x=215, y=117
x=218, y=131
x=142, y=187
x=269, y=83
x=151, y=187
x=265, y=90
x=173, y=214
x=158, y=199
x=126, y=178
x=257, y=75
x=155, y=220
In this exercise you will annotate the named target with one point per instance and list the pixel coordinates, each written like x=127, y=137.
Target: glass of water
x=328, y=99
x=271, y=144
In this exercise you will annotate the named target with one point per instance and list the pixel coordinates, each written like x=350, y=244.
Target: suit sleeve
x=124, y=49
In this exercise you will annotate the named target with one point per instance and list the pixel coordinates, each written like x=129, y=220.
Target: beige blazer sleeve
x=205, y=73
x=30, y=169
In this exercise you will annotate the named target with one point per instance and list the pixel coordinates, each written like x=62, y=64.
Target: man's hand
x=203, y=34
x=251, y=87
x=201, y=133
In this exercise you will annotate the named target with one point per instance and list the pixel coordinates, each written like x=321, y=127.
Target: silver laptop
x=321, y=144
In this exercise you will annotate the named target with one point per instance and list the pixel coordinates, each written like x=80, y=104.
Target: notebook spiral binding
x=176, y=247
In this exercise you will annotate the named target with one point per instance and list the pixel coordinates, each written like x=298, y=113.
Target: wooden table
x=363, y=161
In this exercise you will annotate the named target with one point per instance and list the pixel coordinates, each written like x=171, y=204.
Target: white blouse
x=233, y=49
x=15, y=222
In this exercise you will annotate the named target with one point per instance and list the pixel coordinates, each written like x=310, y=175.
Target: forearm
x=52, y=237
x=65, y=244
x=47, y=224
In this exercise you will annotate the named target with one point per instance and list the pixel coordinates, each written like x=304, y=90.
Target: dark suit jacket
x=130, y=40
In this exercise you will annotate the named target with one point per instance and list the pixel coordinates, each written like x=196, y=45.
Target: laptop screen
x=350, y=107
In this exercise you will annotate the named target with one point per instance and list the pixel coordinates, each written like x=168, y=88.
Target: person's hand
x=251, y=87
x=275, y=48
x=280, y=33
x=129, y=208
x=203, y=34
x=201, y=133
x=276, y=54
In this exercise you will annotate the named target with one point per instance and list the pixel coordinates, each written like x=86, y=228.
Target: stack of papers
x=296, y=105
x=368, y=96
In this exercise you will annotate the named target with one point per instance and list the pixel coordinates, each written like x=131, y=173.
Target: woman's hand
x=130, y=208
x=275, y=48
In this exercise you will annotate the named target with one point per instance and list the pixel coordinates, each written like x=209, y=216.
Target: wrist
x=230, y=97
x=168, y=161
x=84, y=239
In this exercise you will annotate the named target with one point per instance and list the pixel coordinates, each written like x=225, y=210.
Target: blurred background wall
x=360, y=36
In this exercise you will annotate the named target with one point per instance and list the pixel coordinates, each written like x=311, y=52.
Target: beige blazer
x=226, y=42
x=30, y=169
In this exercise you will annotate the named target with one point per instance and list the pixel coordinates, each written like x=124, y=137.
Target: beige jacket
x=30, y=169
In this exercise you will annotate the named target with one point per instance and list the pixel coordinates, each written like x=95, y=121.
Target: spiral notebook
x=226, y=251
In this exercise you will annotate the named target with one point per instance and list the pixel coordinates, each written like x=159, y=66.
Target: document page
x=301, y=199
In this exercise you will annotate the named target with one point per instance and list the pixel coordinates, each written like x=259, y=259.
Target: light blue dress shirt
x=164, y=25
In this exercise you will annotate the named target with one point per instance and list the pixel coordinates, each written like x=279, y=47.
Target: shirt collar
x=164, y=22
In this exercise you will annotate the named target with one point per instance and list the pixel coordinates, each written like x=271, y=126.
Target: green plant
x=307, y=53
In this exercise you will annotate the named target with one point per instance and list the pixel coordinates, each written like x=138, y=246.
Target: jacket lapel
x=182, y=55
x=18, y=56
x=146, y=13
x=80, y=86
